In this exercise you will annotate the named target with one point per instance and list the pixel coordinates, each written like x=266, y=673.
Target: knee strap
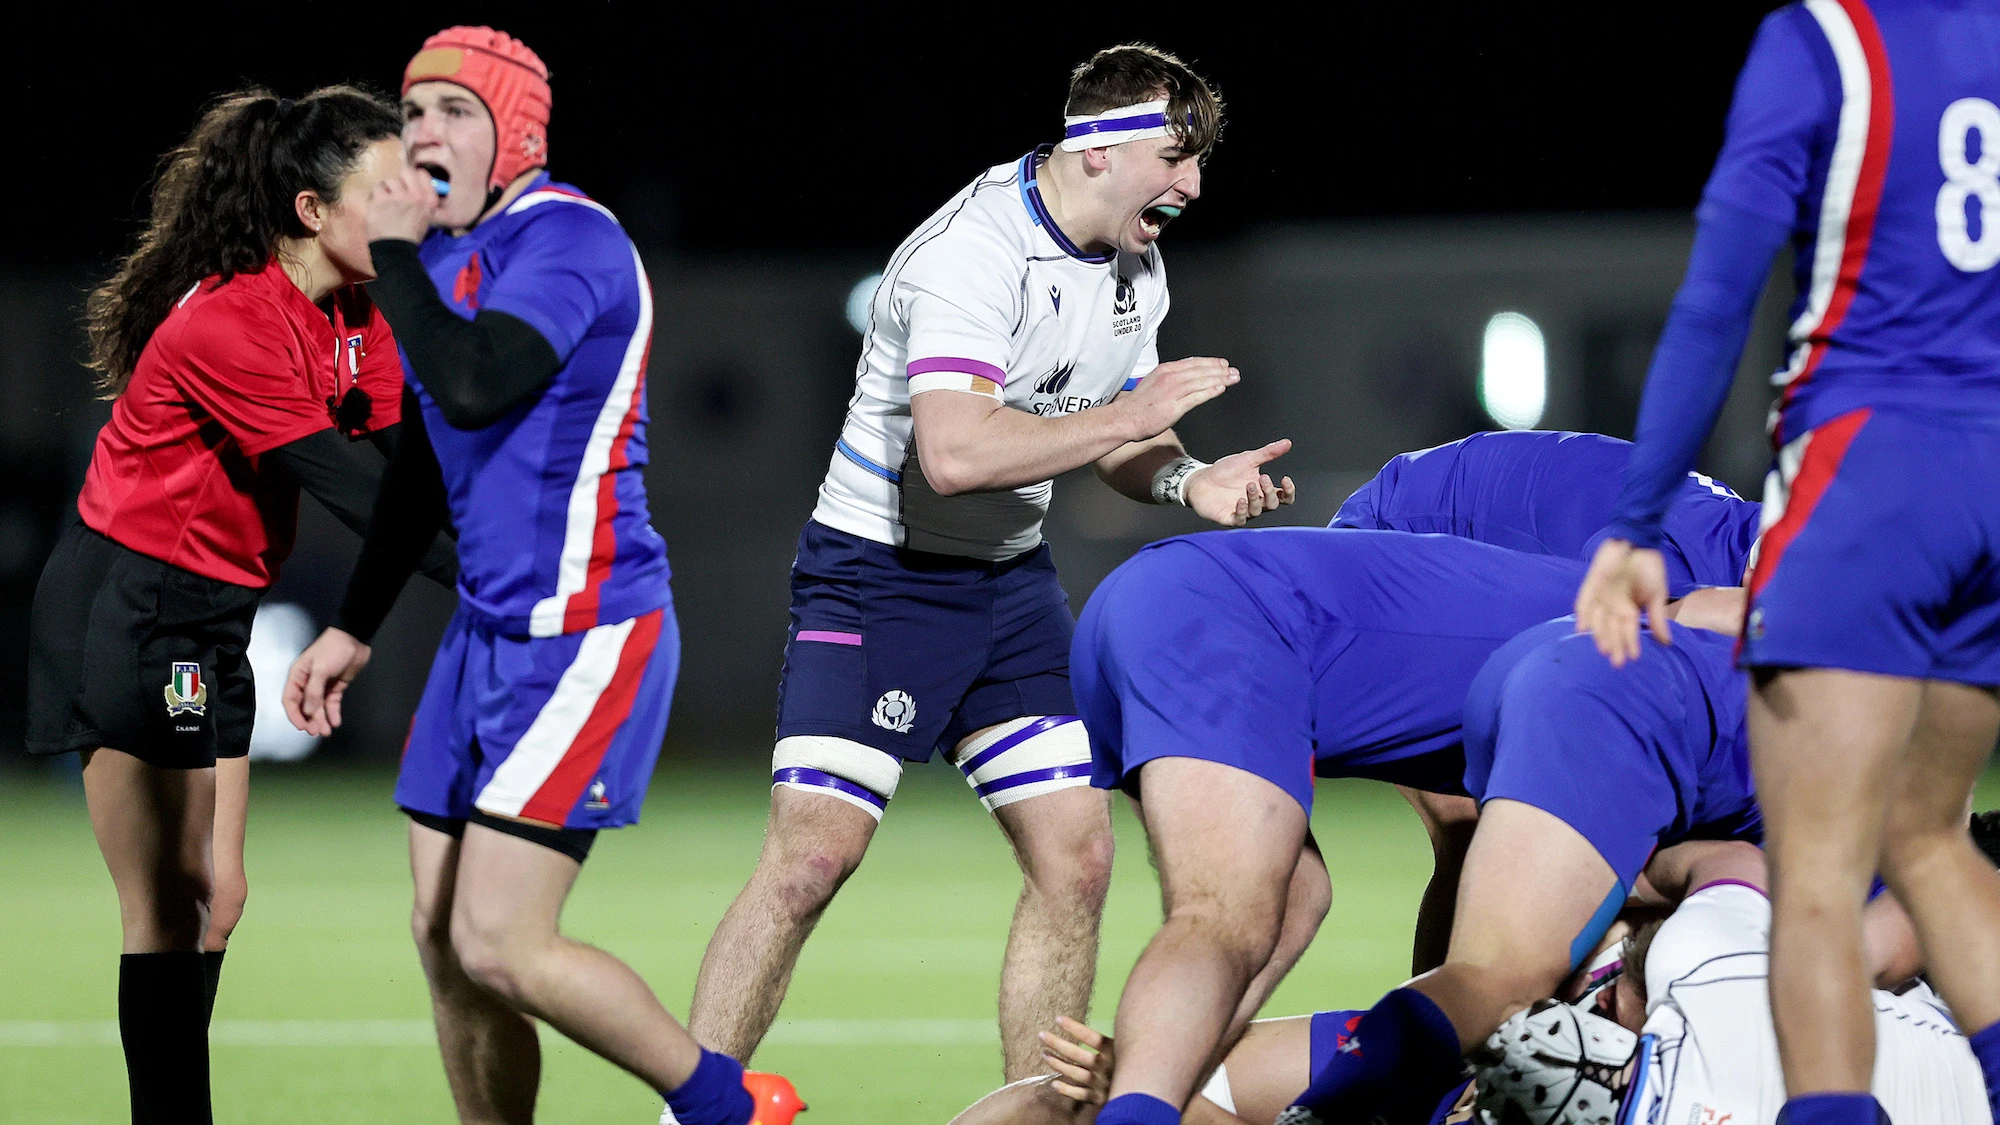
x=839, y=768
x=1024, y=758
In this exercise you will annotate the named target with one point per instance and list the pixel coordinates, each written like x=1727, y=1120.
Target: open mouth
x=1154, y=219
x=440, y=178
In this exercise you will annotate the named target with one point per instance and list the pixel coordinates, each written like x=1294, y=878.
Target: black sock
x=162, y=1020
x=211, y=968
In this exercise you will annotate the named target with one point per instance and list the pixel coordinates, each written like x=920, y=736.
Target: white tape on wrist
x=1170, y=482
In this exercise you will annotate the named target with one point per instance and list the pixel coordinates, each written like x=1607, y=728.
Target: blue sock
x=713, y=1094
x=1833, y=1109
x=1986, y=1048
x=1403, y=1056
x=1138, y=1109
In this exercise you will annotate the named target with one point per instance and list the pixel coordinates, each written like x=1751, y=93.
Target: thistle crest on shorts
x=186, y=694
x=895, y=711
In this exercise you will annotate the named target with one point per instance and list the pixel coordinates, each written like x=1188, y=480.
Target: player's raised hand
x=402, y=206
x=318, y=681
x=1082, y=1059
x=1236, y=490
x=1173, y=389
x=1623, y=580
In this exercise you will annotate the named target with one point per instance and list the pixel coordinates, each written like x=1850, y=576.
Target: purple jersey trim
x=829, y=637
x=820, y=779
x=956, y=365
x=1728, y=883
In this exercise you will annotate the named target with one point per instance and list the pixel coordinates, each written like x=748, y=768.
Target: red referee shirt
x=237, y=369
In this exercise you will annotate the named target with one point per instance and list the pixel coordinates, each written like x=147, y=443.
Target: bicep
x=948, y=417
x=566, y=272
x=1786, y=103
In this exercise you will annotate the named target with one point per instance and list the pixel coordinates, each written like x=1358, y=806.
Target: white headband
x=1115, y=126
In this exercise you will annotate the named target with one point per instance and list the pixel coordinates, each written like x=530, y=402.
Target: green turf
x=917, y=934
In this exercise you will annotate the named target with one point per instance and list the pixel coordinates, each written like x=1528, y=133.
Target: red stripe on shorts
x=1816, y=471
x=552, y=803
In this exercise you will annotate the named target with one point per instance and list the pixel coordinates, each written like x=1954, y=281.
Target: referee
x=242, y=355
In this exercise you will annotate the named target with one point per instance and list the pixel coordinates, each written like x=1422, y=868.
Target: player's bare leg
x=1226, y=843
x=153, y=827
x=813, y=843
x=1063, y=843
x=492, y=1059
x=504, y=916
x=1512, y=940
x=1949, y=887
x=1449, y=821
x=1826, y=746
x=1307, y=899
x=232, y=886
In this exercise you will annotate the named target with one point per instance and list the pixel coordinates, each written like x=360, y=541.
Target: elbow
x=945, y=471
x=462, y=413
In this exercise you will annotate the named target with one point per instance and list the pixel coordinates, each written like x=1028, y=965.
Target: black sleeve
x=409, y=514
x=347, y=488
x=476, y=370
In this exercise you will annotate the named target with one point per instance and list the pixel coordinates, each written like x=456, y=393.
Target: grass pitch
x=323, y=1013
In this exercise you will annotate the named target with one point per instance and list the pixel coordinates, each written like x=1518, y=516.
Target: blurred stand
x=1357, y=341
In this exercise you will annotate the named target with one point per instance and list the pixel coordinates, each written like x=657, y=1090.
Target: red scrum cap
x=502, y=72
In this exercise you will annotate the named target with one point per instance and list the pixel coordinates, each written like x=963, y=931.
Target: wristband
x=1170, y=483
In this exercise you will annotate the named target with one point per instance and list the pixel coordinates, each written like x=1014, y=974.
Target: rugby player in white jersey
x=1012, y=339
x=1685, y=1035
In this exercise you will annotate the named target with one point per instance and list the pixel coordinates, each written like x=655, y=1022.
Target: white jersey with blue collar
x=988, y=296
x=1709, y=1055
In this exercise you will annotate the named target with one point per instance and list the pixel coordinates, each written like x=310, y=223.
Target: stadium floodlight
x=1514, y=371
x=858, y=300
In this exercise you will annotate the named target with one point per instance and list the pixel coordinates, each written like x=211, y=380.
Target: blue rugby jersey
x=1393, y=627
x=1551, y=492
x=1873, y=130
x=550, y=501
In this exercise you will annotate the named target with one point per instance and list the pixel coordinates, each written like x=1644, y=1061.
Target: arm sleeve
x=348, y=488
x=960, y=320
x=476, y=370
x=1780, y=119
x=403, y=530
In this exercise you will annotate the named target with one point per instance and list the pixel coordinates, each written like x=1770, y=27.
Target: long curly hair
x=222, y=200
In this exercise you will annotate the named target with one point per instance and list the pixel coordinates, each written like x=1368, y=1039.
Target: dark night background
x=1391, y=176
x=783, y=129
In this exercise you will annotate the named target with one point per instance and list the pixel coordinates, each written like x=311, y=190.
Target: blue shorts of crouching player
x=561, y=731
x=897, y=654
x=1633, y=758
x=1881, y=553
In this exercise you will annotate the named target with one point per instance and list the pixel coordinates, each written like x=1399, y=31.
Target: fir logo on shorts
x=895, y=711
x=186, y=694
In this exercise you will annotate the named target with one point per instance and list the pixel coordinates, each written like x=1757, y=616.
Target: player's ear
x=1097, y=159
x=307, y=207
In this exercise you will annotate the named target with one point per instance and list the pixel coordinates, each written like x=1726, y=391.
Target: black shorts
x=133, y=654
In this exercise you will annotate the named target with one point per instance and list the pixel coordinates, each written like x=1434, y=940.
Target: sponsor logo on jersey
x=1055, y=295
x=895, y=711
x=594, y=797
x=1125, y=318
x=186, y=694
x=1057, y=379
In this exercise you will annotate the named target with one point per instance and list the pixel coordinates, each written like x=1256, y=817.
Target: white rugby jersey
x=987, y=296
x=1711, y=1054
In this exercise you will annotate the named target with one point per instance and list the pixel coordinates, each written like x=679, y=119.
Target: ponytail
x=223, y=199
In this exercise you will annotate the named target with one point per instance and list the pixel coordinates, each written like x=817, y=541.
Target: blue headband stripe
x=1117, y=125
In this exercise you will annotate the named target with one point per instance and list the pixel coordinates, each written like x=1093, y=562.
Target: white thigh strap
x=837, y=767
x=1024, y=758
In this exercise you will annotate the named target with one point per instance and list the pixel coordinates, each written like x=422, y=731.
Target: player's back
x=1897, y=201
x=1550, y=492
x=1715, y=1052
x=1394, y=626
x=550, y=500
